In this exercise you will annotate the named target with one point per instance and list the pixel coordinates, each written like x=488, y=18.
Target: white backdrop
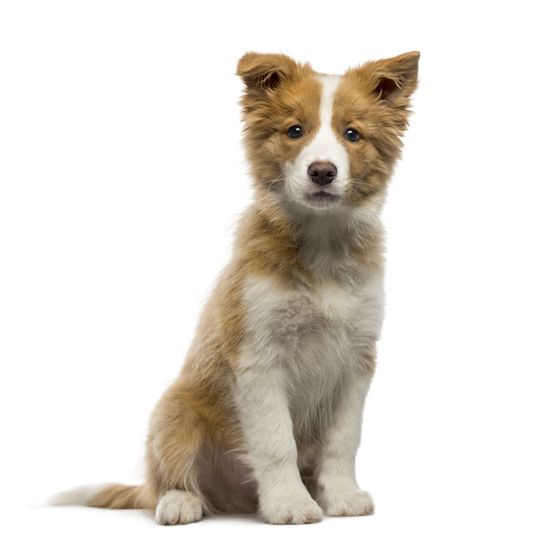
x=122, y=176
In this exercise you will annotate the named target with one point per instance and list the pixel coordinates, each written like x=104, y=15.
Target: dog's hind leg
x=174, y=444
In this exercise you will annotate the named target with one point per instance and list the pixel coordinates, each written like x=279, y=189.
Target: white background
x=122, y=176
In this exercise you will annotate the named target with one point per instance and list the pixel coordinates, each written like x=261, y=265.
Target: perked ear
x=393, y=80
x=265, y=71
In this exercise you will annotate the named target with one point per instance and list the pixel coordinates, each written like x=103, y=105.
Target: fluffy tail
x=116, y=496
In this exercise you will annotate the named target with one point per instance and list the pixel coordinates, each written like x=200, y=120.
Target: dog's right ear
x=265, y=71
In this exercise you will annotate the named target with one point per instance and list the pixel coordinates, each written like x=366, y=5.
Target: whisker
x=272, y=182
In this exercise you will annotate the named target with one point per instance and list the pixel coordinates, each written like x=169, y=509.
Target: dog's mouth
x=321, y=198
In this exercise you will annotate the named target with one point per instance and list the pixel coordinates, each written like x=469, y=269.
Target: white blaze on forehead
x=324, y=146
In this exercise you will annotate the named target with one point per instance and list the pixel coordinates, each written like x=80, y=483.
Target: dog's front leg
x=338, y=491
x=268, y=430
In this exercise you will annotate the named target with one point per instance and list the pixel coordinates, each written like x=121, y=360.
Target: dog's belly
x=226, y=480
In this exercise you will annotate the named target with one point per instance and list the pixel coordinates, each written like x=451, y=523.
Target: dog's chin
x=320, y=200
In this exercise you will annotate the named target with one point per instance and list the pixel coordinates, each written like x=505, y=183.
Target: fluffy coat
x=266, y=412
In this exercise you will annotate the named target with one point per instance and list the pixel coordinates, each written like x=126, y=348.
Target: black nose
x=322, y=172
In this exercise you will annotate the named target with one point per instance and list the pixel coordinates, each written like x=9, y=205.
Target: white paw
x=354, y=503
x=291, y=510
x=177, y=507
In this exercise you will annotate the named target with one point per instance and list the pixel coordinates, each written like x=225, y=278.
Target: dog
x=266, y=413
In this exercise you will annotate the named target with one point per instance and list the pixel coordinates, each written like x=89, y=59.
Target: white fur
x=301, y=368
x=323, y=246
x=272, y=452
x=178, y=507
x=339, y=491
x=78, y=496
x=324, y=146
x=356, y=503
x=315, y=339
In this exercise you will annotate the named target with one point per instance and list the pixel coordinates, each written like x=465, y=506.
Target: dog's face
x=324, y=141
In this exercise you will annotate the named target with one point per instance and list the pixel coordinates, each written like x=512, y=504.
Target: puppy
x=266, y=413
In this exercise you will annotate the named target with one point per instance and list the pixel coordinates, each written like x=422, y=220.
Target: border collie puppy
x=266, y=413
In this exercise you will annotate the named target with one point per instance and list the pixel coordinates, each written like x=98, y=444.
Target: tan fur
x=194, y=430
x=360, y=104
x=120, y=496
x=291, y=96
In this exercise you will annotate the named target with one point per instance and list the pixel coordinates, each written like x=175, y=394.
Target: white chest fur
x=317, y=337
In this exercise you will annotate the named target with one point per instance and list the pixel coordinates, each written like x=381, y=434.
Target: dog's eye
x=352, y=135
x=295, y=131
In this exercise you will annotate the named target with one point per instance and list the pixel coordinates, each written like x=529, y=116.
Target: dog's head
x=324, y=141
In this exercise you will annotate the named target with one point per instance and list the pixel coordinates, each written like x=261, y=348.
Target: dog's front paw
x=354, y=503
x=291, y=510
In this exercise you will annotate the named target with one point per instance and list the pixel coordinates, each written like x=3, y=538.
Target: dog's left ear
x=392, y=80
x=265, y=71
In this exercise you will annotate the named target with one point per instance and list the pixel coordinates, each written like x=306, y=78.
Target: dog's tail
x=116, y=496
